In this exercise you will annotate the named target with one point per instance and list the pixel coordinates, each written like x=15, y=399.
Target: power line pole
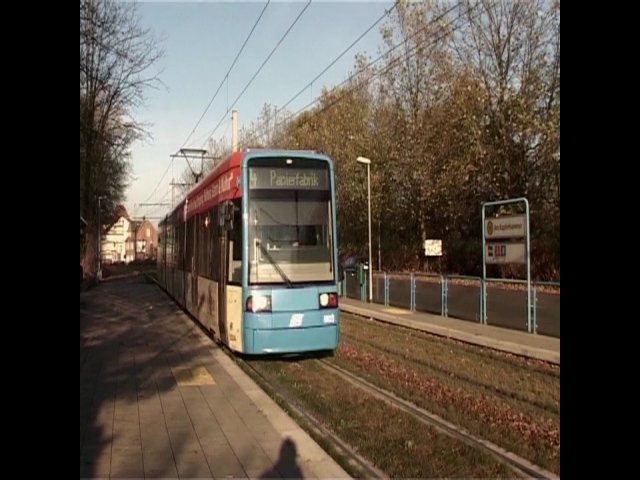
x=173, y=185
x=194, y=153
x=99, y=269
x=191, y=153
x=234, y=131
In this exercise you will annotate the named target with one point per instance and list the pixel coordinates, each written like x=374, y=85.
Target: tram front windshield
x=290, y=226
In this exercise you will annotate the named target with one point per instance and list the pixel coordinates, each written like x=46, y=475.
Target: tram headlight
x=259, y=303
x=328, y=300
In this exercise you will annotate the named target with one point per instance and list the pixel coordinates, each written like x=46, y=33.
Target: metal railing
x=498, y=302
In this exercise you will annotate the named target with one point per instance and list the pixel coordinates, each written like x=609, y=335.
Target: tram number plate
x=296, y=320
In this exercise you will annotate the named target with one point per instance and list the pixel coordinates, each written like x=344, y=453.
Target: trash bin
x=355, y=277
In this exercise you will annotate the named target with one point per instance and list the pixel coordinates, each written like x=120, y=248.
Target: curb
x=501, y=345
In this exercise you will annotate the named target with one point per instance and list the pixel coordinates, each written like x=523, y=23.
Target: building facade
x=146, y=235
x=127, y=240
x=114, y=243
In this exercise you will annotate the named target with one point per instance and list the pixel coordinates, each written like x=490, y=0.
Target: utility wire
x=257, y=72
x=226, y=77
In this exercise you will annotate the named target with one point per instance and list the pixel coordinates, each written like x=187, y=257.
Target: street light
x=99, y=271
x=367, y=162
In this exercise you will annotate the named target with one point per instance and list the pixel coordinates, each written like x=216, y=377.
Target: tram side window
x=174, y=245
x=214, y=246
x=180, y=246
x=207, y=240
x=168, y=259
x=203, y=244
x=189, y=247
x=197, y=231
x=235, y=274
x=171, y=245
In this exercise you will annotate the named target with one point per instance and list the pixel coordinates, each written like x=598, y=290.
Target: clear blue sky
x=201, y=40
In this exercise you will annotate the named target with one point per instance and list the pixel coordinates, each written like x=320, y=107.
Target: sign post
x=506, y=239
x=432, y=248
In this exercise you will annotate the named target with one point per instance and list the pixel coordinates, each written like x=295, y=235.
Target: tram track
x=345, y=453
x=355, y=463
x=480, y=351
x=358, y=465
x=519, y=465
x=471, y=380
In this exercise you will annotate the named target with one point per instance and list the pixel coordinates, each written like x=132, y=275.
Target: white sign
x=505, y=227
x=296, y=320
x=505, y=253
x=433, y=248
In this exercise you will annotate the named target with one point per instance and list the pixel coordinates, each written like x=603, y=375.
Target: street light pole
x=367, y=162
x=99, y=271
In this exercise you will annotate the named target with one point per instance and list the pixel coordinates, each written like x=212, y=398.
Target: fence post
x=386, y=289
x=412, y=302
x=534, y=313
x=363, y=289
x=441, y=297
x=445, y=295
x=483, y=301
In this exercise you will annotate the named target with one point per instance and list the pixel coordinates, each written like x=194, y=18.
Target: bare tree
x=116, y=56
x=513, y=49
x=411, y=84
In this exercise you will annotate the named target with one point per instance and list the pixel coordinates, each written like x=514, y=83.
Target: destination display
x=288, y=178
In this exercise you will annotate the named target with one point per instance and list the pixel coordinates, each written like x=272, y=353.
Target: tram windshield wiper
x=275, y=265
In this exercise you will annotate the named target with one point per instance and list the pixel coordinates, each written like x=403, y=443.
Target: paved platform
x=512, y=341
x=158, y=399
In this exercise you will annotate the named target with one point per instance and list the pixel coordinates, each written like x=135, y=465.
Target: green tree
x=463, y=108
